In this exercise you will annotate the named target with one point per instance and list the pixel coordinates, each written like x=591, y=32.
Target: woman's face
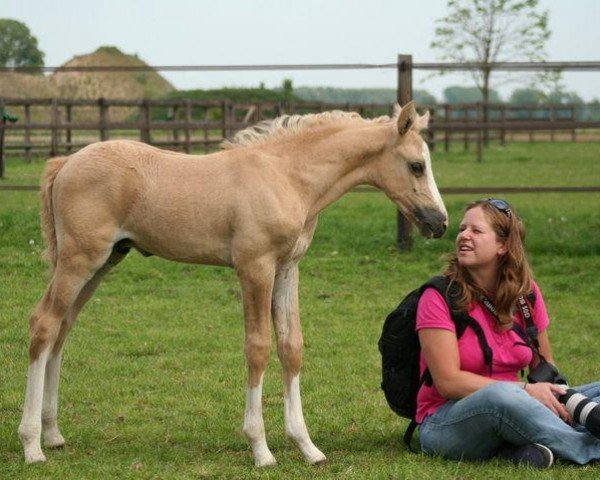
x=477, y=244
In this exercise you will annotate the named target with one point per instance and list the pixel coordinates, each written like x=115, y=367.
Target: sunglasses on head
x=501, y=205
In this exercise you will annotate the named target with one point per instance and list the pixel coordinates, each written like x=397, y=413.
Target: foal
x=252, y=207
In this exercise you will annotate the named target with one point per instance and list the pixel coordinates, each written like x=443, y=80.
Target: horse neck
x=322, y=170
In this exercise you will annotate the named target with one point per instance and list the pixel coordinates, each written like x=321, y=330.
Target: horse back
x=200, y=209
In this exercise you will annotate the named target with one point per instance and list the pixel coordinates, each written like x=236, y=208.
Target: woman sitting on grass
x=478, y=411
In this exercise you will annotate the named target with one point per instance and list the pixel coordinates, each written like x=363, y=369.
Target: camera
x=583, y=410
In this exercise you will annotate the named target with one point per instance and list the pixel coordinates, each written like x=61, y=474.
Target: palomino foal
x=252, y=207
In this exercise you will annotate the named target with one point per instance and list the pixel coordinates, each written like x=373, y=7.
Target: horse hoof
x=316, y=457
x=35, y=457
x=265, y=463
x=54, y=441
x=321, y=463
x=55, y=444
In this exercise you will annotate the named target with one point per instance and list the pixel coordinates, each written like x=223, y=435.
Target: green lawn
x=153, y=381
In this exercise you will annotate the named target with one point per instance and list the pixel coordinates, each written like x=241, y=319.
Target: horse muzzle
x=431, y=222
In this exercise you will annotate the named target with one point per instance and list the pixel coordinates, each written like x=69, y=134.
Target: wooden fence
x=60, y=126
x=464, y=122
x=483, y=128
x=57, y=126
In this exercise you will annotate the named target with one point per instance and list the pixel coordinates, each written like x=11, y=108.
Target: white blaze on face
x=431, y=181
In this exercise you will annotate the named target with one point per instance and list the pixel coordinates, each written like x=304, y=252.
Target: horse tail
x=47, y=220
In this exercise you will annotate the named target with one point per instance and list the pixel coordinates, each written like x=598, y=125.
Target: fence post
x=277, y=110
x=205, y=131
x=503, y=120
x=225, y=108
x=290, y=107
x=188, y=120
x=530, y=118
x=2, y=123
x=467, y=114
x=431, y=129
x=54, y=128
x=27, y=132
x=552, y=119
x=69, y=135
x=404, y=239
x=175, y=131
x=258, y=113
x=145, y=127
x=573, y=119
x=103, y=111
x=446, y=131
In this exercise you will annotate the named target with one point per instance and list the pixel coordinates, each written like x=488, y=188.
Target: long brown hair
x=514, y=273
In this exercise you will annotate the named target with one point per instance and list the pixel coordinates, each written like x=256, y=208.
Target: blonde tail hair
x=53, y=166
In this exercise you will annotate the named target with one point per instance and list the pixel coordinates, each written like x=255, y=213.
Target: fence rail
x=63, y=125
x=466, y=66
x=59, y=126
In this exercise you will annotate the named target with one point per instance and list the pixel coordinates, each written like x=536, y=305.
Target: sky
x=235, y=32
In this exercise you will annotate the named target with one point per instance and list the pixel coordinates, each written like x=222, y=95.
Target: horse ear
x=407, y=118
x=422, y=121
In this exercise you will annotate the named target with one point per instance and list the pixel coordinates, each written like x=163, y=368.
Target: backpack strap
x=450, y=292
x=408, y=434
x=462, y=320
x=488, y=353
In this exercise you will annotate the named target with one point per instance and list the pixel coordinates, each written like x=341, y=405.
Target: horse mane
x=287, y=125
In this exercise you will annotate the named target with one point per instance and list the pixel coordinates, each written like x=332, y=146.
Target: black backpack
x=400, y=349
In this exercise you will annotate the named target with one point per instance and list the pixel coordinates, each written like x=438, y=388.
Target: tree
x=423, y=97
x=288, y=88
x=18, y=47
x=359, y=95
x=456, y=94
x=490, y=31
x=528, y=96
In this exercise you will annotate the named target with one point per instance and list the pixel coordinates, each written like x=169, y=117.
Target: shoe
x=533, y=455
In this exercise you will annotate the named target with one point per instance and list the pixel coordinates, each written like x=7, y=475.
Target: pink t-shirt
x=508, y=358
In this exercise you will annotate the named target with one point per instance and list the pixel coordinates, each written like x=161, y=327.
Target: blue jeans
x=476, y=426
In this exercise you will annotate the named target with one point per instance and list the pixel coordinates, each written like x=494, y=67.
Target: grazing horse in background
x=252, y=206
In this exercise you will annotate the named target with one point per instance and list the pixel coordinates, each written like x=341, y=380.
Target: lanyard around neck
x=531, y=331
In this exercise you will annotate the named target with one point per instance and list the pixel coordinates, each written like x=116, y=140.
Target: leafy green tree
x=457, y=94
x=359, y=95
x=287, y=88
x=18, y=47
x=423, y=97
x=528, y=96
x=490, y=31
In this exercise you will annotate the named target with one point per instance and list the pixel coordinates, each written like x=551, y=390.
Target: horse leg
x=51, y=433
x=286, y=319
x=69, y=278
x=30, y=427
x=257, y=286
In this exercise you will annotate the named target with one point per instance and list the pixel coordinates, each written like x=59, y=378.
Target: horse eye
x=417, y=168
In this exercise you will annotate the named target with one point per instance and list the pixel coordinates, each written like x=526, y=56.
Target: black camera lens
x=583, y=410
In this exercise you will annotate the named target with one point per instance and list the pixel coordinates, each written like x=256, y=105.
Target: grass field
x=153, y=380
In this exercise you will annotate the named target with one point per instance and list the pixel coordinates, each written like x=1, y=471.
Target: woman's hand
x=547, y=394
